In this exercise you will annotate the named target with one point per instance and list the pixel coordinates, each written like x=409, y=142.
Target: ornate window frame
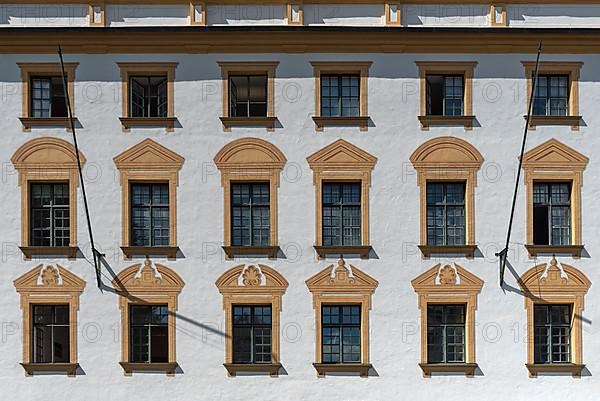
x=47, y=159
x=570, y=68
x=150, y=69
x=97, y=14
x=250, y=160
x=46, y=284
x=448, y=158
x=252, y=284
x=197, y=13
x=342, y=67
x=393, y=14
x=504, y=20
x=555, y=161
x=554, y=283
x=31, y=69
x=229, y=68
x=142, y=284
x=299, y=13
x=464, y=68
x=342, y=161
x=342, y=284
x=447, y=284
x=148, y=161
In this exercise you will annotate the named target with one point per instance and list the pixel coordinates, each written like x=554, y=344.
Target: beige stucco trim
x=102, y=6
x=289, y=13
x=202, y=20
x=503, y=20
x=393, y=14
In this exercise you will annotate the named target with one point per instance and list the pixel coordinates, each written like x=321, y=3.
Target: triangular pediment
x=148, y=277
x=447, y=279
x=552, y=278
x=247, y=152
x=46, y=151
x=252, y=279
x=341, y=154
x=149, y=154
x=341, y=278
x=554, y=154
x=49, y=279
x=446, y=151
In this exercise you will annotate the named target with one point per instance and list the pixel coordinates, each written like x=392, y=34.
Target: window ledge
x=466, y=250
x=130, y=367
x=42, y=122
x=573, y=250
x=362, y=122
x=269, y=251
x=69, y=368
x=234, y=368
x=573, y=369
x=572, y=121
x=131, y=122
x=362, y=250
x=324, y=368
x=465, y=121
x=169, y=251
x=66, y=251
x=267, y=122
x=467, y=368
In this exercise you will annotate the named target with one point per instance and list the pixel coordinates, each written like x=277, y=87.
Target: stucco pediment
x=447, y=279
x=554, y=154
x=46, y=151
x=250, y=152
x=149, y=154
x=340, y=154
x=48, y=278
x=552, y=278
x=341, y=278
x=148, y=277
x=251, y=279
x=446, y=151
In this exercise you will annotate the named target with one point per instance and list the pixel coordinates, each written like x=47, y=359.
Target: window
x=341, y=214
x=445, y=213
x=551, y=95
x=149, y=175
x=149, y=333
x=551, y=213
x=340, y=95
x=48, y=97
x=445, y=95
x=150, y=214
x=148, y=97
x=250, y=211
x=51, y=334
x=552, y=333
x=49, y=214
x=341, y=333
x=248, y=95
x=252, y=334
x=445, y=333
x=342, y=178
x=498, y=17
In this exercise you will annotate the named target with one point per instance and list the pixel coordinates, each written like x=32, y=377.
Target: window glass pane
x=445, y=214
x=250, y=214
x=49, y=214
x=446, y=333
x=150, y=214
x=552, y=333
x=341, y=341
x=340, y=95
x=341, y=214
x=51, y=334
x=252, y=334
x=148, y=96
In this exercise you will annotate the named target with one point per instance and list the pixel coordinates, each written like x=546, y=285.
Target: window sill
x=430, y=250
x=361, y=250
x=467, y=368
x=132, y=122
x=69, y=368
x=540, y=250
x=572, y=121
x=66, y=251
x=445, y=121
x=234, y=368
x=266, y=122
x=324, y=368
x=129, y=367
x=268, y=251
x=361, y=122
x=169, y=251
x=573, y=369
x=45, y=122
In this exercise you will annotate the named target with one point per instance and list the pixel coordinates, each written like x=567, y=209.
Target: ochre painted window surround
x=250, y=160
x=393, y=14
x=572, y=69
x=555, y=161
x=97, y=14
x=129, y=70
x=295, y=13
x=498, y=9
x=342, y=284
x=342, y=161
x=41, y=160
x=445, y=284
x=463, y=68
x=29, y=70
x=556, y=284
x=252, y=285
x=147, y=283
x=360, y=68
x=198, y=13
x=49, y=285
x=448, y=159
x=230, y=68
x=148, y=162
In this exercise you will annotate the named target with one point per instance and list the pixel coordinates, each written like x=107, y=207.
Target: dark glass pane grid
x=47, y=97
x=51, y=339
x=552, y=213
x=248, y=96
x=551, y=95
x=552, y=333
x=148, y=97
x=252, y=334
x=445, y=95
x=340, y=333
x=149, y=333
x=445, y=333
x=445, y=213
x=341, y=214
x=49, y=214
x=340, y=95
x=150, y=214
x=250, y=214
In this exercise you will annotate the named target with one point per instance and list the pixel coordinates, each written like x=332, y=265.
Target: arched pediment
x=252, y=279
x=446, y=151
x=447, y=279
x=341, y=154
x=46, y=152
x=341, y=278
x=250, y=152
x=553, y=154
x=149, y=154
x=148, y=278
x=49, y=279
x=552, y=278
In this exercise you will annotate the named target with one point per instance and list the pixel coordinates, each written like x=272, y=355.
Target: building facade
x=299, y=200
